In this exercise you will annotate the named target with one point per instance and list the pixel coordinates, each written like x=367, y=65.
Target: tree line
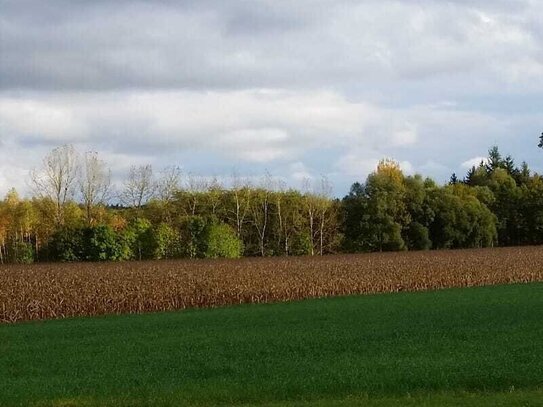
x=71, y=215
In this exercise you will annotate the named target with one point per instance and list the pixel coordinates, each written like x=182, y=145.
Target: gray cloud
x=297, y=87
x=236, y=44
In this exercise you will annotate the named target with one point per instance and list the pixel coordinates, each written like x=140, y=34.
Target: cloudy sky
x=298, y=88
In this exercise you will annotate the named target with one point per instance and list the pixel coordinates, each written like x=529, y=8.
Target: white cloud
x=360, y=164
x=253, y=125
x=221, y=84
x=299, y=172
x=259, y=145
x=405, y=136
x=356, y=165
x=474, y=162
x=256, y=127
x=37, y=119
x=407, y=167
x=436, y=169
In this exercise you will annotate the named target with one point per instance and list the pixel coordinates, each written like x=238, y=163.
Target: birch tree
x=139, y=187
x=242, y=194
x=310, y=209
x=196, y=187
x=260, y=210
x=57, y=179
x=94, y=183
x=215, y=192
x=169, y=183
x=323, y=205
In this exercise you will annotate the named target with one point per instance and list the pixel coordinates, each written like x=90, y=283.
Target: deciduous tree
x=57, y=179
x=139, y=186
x=94, y=183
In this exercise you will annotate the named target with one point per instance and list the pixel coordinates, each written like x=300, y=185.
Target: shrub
x=418, y=237
x=194, y=233
x=166, y=242
x=101, y=243
x=66, y=245
x=138, y=240
x=21, y=253
x=301, y=244
x=222, y=242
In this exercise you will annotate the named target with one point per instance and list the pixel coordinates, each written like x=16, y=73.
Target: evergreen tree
x=495, y=160
x=510, y=167
x=468, y=179
x=523, y=174
x=454, y=179
x=388, y=212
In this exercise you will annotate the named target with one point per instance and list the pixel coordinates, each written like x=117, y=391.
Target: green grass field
x=476, y=346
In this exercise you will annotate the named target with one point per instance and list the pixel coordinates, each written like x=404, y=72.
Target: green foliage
x=21, y=253
x=301, y=244
x=477, y=176
x=95, y=243
x=460, y=221
x=495, y=160
x=101, y=243
x=523, y=175
x=67, y=245
x=506, y=205
x=417, y=214
x=194, y=237
x=377, y=211
x=532, y=210
x=454, y=179
x=353, y=208
x=222, y=242
x=166, y=242
x=418, y=237
x=138, y=238
x=497, y=203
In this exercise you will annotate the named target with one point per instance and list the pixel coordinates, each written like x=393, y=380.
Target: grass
x=475, y=346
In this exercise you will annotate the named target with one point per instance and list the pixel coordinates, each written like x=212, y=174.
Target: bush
x=21, y=253
x=194, y=235
x=166, y=242
x=66, y=245
x=418, y=237
x=138, y=240
x=301, y=244
x=101, y=243
x=222, y=242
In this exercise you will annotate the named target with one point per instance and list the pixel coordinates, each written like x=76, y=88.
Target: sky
x=300, y=89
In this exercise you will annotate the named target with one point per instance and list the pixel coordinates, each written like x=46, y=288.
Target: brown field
x=80, y=289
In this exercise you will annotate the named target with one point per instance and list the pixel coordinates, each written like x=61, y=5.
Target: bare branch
x=169, y=183
x=57, y=178
x=94, y=182
x=139, y=186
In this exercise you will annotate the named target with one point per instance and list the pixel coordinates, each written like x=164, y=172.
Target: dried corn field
x=65, y=290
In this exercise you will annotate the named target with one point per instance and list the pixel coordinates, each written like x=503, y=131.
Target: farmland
x=48, y=291
x=472, y=346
